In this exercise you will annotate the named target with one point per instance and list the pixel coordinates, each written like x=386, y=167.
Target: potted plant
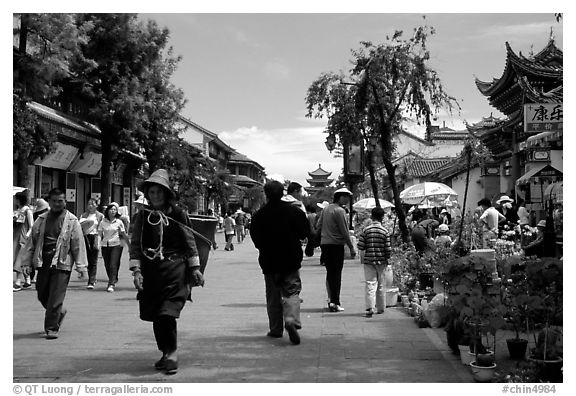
x=517, y=302
x=475, y=298
x=544, y=278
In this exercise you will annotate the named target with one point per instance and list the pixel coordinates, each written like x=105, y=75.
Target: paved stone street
x=222, y=334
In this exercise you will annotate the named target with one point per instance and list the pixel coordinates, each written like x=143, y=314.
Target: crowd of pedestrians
x=164, y=259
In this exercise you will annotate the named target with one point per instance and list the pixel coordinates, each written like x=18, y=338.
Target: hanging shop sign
x=71, y=195
x=60, y=158
x=116, y=177
x=353, y=162
x=543, y=117
x=126, y=196
x=89, y=164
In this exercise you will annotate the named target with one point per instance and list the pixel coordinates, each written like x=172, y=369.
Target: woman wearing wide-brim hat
x=508, y=210
x=165, y=264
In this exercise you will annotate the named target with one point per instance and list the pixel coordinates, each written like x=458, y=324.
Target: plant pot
x=405, y=301
x=485, y=359
x=465, y=358
x=482, y=374
x=471, y=356
x=392, y=297
x=517, y=348
x=548, y=370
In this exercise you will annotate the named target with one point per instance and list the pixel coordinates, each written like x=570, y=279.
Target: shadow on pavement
x=24, y=336
x=243, y=305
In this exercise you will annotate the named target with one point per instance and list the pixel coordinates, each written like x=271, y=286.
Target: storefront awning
x=542, y=138
x=89, y=164
x=61, y=158
x=540, y=170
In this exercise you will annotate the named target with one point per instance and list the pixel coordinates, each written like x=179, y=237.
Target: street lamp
x=330, y=142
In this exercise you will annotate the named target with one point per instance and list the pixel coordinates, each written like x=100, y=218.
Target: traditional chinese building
x=527, y=143
x=74, y=165
x=242, y=172
x=319, y=180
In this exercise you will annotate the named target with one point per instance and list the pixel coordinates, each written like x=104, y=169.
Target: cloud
x=289, y=152
x=276, y=69
x=518, y=32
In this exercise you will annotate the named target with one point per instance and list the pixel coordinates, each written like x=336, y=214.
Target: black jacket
x=277, y=230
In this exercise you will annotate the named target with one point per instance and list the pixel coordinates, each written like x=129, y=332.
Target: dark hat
x=161, y=178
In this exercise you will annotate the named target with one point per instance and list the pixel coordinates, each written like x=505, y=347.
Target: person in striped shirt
x=375, y=250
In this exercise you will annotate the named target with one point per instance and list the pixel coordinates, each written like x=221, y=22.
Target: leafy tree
x=45, y=46
x=393, y=80
x=127, y=85
x=329, y=95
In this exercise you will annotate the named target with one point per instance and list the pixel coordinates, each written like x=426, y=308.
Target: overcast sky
x=245, y=76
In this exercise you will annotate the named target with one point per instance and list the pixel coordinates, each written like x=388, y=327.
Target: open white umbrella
x=16, y=190
x=370, y=203
x=428, y=193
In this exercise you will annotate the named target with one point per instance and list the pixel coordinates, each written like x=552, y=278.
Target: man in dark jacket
x=277, y=230
x=423, y=231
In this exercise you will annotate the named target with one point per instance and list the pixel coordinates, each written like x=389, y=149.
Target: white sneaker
x=110, y=289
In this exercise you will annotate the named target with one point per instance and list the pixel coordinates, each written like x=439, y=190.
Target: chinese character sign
x=543, y=117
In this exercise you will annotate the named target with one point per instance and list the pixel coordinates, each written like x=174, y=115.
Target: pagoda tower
x=319, y=179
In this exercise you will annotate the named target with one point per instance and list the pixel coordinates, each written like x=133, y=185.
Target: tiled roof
x=65, y=119
x=547, y=63
x=423, y=167
x=320, y=172
x=239, y=157
x=555, y=95
x=244, y=180
x=450, y=135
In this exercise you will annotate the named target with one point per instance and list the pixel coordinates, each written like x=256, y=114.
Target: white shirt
x=93, y=230
x=490, y=219
x=110, y=232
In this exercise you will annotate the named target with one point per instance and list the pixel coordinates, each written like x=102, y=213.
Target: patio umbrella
x=16, y=190
x=555, y=192
x=370, y=203
x=428, y=194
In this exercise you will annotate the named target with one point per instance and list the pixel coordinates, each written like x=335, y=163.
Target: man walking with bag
x=276, y=230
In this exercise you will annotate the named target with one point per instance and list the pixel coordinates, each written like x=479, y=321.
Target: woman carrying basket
x=165, y=265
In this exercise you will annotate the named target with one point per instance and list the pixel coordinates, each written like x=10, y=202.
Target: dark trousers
x=283, y=300
x=92, y=255
x=333, y=256
x=51, y=284
x=111, y=256
x=165, y=333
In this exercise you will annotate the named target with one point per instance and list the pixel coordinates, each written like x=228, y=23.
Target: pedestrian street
x=222, y=334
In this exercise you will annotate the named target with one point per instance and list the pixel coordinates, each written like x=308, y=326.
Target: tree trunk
x=391, y=170
x=105, y=197
x=371, y=172
x=468, y=162
x=386, y=143
x=22, y=162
